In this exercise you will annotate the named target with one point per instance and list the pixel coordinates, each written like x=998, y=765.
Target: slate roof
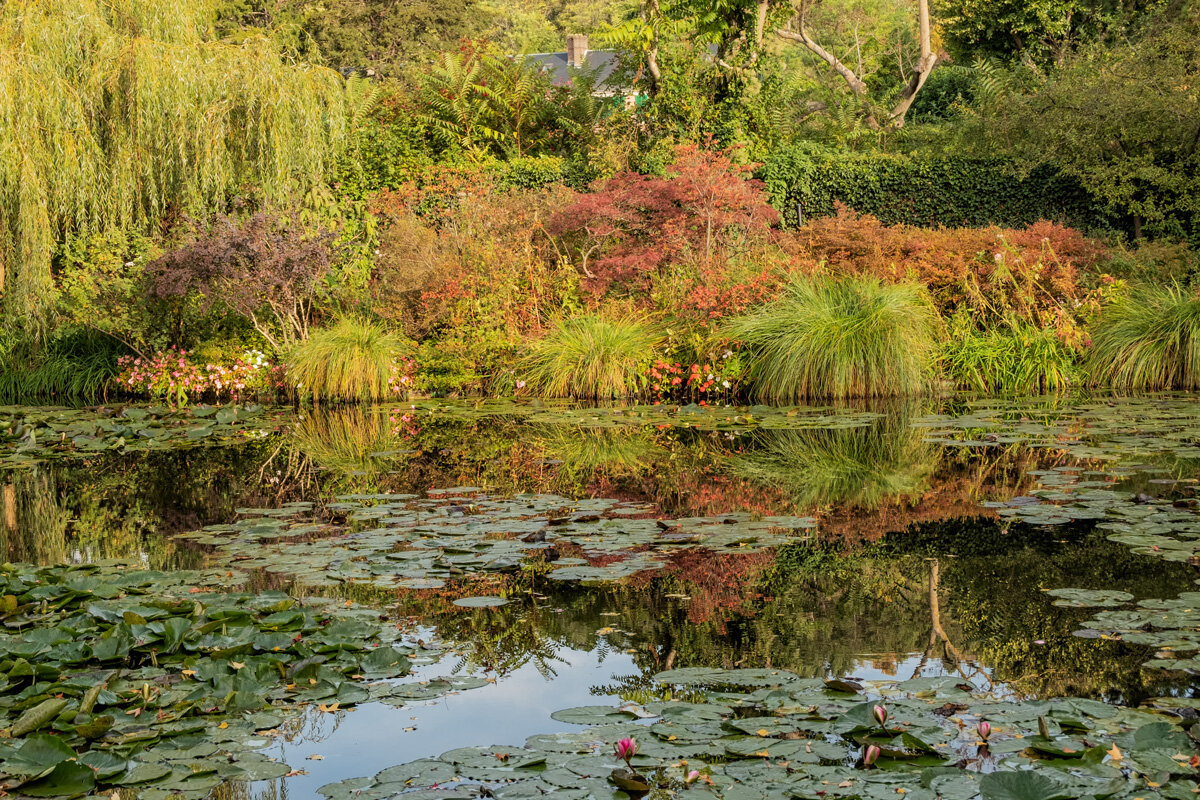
x=603, y=62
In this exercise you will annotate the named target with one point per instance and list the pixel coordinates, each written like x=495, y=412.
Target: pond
x=463, y=599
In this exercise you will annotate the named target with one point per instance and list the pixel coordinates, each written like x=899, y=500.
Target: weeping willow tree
x=120, y=113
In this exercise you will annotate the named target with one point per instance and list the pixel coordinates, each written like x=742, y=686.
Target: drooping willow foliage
x=125, y=112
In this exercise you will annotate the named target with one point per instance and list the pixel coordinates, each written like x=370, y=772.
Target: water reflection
x=863, y=466
x=909, y=573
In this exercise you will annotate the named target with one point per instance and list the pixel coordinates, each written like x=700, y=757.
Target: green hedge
x=950, y=191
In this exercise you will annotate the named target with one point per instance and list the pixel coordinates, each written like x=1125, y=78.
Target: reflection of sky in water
x=916, y=665
x=373, y=736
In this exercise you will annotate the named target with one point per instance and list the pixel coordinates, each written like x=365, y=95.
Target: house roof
x=603, y=63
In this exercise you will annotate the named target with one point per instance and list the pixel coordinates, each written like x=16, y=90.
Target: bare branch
x=801, y=35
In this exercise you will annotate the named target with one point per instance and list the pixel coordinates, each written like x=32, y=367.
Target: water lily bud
x=626, y=749
x=985, y=730
x=871, y=755
x=881, y=715
x=692, y=777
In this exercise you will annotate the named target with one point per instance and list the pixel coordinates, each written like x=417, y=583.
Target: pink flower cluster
x=403, y=371
x=169, y=375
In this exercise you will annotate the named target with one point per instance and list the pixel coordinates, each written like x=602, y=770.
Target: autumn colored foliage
x=1000, y=275
x=633, y=225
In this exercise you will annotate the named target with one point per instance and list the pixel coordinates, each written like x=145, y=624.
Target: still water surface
x=917, y=565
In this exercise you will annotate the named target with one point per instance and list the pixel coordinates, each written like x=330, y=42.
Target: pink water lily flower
x=626, y=749
x=985, y=730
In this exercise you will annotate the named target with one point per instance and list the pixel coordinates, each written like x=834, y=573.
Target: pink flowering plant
x=171, y=376
x=168, y=376
x=404, y=372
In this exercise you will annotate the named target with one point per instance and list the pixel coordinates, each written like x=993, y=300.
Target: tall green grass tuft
x=591, y=357
x=840, y=337
x=74, y=368
x=351, y=361
x=1018, y=360
x=1148, y=340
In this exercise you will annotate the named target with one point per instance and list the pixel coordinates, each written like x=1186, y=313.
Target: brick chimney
x=577, y=49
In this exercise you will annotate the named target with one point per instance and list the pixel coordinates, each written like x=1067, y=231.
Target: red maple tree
x=631, y=225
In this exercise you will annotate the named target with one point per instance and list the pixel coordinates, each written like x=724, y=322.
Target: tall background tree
x=128, y=113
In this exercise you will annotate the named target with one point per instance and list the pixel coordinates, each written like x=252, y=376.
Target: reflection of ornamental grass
x=862, y=466
x=585, y=451
x=591, y=357
x=1149, y=340
x=353, y=360
x=347, y=440
x=840, y=337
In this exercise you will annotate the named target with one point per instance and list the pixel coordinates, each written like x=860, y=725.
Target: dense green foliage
x=925, y=190
x=73, y=368
x=591, y=357
x=1013, y=361
x=840, y=337
x=1149, y=340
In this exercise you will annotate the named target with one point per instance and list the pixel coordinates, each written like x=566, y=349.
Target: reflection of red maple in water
x=696, y=493
x=720, y=585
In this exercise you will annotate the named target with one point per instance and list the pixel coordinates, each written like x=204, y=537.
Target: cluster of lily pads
x=770, y=735
x=170, y=682
x=404, y=541
x=33, y=435
x=1171, y=626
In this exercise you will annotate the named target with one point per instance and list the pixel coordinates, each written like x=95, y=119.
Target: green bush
x=924, y=191
x=840, y=337
x=75, y=367
x=1017, y=360
x=591, y=357
x=1148, y=340
x=354, y=360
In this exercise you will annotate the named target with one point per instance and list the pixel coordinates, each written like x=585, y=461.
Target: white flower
x=725, y=384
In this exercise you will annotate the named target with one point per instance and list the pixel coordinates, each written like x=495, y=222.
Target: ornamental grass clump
x=1148, y=340
x=851, y=336
x=354, y=360
x=591, y=357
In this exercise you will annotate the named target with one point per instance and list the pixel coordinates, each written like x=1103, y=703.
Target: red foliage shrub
x=632, y=225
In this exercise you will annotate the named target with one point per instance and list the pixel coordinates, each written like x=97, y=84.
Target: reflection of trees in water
x=123, y=506
x=35, y=519
x=1000, y=610
x=820, y=613
x=239, y=790
x=502, y=641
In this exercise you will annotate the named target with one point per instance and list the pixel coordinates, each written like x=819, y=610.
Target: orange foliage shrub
x=1000, y=275
x=466, y=253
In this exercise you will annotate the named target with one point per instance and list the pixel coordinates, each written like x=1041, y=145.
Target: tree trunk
x=924, y=67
